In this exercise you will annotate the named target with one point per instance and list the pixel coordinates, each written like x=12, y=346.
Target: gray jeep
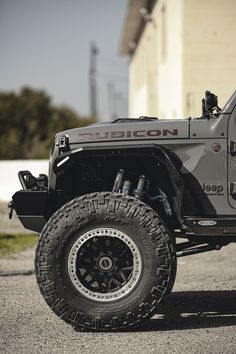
x=117, y=197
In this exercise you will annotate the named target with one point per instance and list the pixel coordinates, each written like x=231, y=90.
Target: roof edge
x=134, y=24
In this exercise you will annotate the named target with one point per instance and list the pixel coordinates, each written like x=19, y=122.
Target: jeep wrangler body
x=119, y=180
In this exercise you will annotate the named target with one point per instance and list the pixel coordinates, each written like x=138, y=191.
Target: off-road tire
x=147, y=234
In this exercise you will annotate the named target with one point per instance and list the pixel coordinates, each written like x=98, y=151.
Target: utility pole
x=111, y=100
x=92, y=79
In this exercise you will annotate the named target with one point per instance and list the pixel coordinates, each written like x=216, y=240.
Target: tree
x=29, y=122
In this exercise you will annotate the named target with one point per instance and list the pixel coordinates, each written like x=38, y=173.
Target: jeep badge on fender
x=212, y=188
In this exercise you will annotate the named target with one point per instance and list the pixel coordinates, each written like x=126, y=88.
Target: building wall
x=156, y=66
x=185, y=50
x=209, y=51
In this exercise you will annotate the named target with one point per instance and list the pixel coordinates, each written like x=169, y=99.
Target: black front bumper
x=33, y=208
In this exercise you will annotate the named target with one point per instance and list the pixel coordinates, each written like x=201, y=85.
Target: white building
x=178, y=49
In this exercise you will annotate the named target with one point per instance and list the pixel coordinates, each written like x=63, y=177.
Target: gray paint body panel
x=191, y=141
x=209, y=128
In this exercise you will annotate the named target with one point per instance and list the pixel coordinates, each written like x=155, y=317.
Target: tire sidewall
x=157, y=258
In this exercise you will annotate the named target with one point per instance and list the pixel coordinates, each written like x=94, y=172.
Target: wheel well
x=97, y=172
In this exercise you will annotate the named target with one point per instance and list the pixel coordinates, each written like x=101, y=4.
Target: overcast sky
x=45, y=44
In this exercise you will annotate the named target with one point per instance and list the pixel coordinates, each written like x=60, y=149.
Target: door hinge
x=232, y=188
x=232, y=147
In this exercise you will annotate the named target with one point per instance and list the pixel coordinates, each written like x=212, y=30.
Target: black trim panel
x=33, y=208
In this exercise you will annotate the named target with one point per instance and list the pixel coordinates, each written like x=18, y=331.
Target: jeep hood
x=129, y=129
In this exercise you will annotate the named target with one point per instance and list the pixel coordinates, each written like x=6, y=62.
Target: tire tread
x=114, y=203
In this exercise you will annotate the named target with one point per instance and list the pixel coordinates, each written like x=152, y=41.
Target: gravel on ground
x=200, y=316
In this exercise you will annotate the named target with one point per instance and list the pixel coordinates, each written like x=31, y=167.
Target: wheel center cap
x=105, y=263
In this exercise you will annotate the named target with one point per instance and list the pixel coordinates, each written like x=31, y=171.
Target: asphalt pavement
x=200, y=316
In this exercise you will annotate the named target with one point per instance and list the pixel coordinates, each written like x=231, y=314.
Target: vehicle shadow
x=195, y=309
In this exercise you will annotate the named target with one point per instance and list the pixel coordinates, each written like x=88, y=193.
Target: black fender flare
x=157, y=152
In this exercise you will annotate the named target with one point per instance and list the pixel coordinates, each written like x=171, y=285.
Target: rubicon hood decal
x=162, y=129
x=135, y=134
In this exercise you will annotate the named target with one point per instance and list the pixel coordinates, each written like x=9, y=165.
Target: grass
x=12, y=243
